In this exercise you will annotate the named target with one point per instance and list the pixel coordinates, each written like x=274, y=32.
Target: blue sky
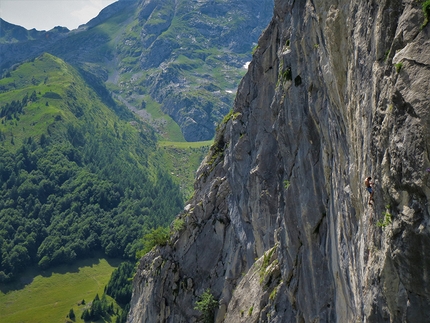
x=47, y=14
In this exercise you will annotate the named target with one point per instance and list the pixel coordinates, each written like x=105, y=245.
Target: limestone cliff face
x=279, y=228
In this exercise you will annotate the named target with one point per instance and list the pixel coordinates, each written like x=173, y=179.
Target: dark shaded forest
x=61, y=200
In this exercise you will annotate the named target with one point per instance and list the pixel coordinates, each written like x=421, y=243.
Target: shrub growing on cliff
x=426, y=11
x=398, y=66
x=266, y=262
x=386, y=221
x=286, y=75
x=231, y=115
x=251, y=309
x=178, y=224
x=207, y=305
x=272, y=295
x=156, y=237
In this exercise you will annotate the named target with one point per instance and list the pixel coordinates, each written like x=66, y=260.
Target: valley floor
x=48, y=296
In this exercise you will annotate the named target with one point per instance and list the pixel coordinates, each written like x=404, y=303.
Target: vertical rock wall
x=279, y=228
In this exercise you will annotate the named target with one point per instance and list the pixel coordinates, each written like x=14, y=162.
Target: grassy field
x=168, y=128
x=182, y=159
x=48, y=296
x=185, y=144
x=61, y=97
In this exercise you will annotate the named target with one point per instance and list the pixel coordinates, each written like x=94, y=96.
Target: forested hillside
x=74, y=177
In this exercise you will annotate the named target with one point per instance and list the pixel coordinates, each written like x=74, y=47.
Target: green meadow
x=182, y=159
x=185, y=144
x=47, y=296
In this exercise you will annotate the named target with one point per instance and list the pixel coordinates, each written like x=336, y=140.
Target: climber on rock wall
x=369, y=187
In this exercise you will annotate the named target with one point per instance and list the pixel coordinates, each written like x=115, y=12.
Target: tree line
x=13, y=109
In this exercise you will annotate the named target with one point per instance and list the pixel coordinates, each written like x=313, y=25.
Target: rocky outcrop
x=190, y=47
x=279, y=228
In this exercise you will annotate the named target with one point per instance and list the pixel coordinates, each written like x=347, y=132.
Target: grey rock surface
x=279, y=228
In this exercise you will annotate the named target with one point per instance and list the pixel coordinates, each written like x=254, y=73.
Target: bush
x=250, y=310
x=386, y=221
x=231, y=115
x=157, y=237
x=266, y=262
x=398, y=67
x=287, y=75
x=72, y=314
x=207, y=305
x=178, y=224
x=426, y=11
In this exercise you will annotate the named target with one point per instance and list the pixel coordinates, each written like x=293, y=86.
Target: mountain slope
x=74, y=177
x=18, y=44
x=198, y=50
x=279, y=228
x=188, y=56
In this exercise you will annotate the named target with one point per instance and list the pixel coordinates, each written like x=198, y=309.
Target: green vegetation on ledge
x=426, y=11
x=207, y=305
